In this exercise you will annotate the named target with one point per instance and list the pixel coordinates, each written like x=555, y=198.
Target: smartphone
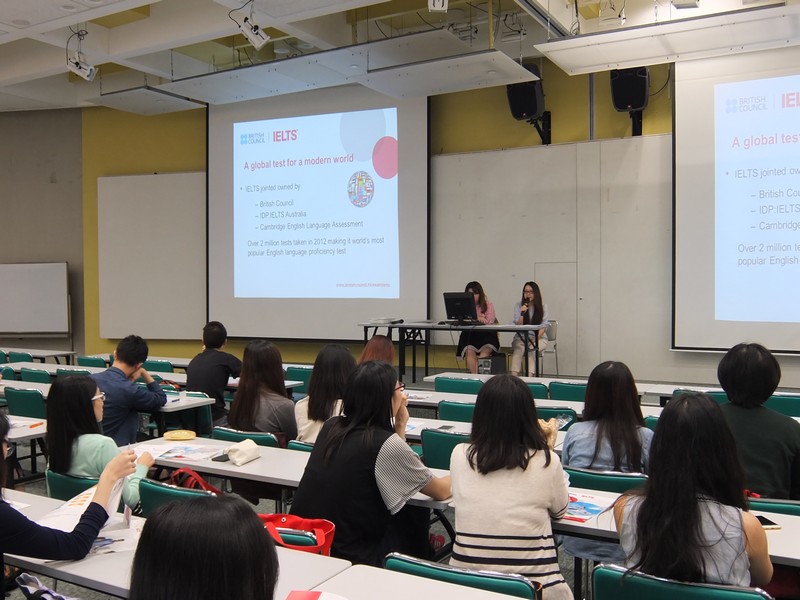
x=446, y=427
x=221, y=458
x=767, y=523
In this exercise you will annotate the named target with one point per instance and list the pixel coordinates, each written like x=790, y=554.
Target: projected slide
x=315, y=206
x=757, y=200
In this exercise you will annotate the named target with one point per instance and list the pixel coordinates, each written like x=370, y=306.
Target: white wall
x=592, y=224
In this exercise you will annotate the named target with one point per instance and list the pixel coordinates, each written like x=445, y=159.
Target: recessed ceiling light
x=21, y=22
x=282, y=50
x=69, y=7
x=305, y=45
x=354, y=66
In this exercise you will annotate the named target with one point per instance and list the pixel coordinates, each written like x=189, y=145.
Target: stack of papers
x=583, y=507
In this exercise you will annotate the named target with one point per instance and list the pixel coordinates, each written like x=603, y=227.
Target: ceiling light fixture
x=437, y=5
x=254, y=34
x=76, y=61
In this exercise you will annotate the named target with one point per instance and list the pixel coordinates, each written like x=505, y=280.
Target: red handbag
x=322, y=529
x=187, y=478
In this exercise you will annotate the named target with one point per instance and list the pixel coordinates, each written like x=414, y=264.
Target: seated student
x=379, y=347
x=611, y=437
x=361, y=473
x=768, y=442
x=19, y=535
x=209, y=371
x=508, y=483
x=690, y=523
x=261, y=402
x=125, y=399
x=204, y=548
x=332, y=367
x=74, y=409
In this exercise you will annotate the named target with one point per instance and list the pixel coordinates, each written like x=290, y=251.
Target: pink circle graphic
x=384, y=157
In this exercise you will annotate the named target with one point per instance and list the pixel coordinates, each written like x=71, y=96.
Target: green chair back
x=604, y=481
x=613, y=582
x=91, y=361
x=301, y=446
x=20, y=357
x=8, y=374
x=437, y=446
x=784, y=507
x=299, y=374
x=456, y=411
x=718, y=397
x=539, y=390
x=159, y=366
x=34, y=375
x=786, y=405
x=297, y=537
x=153, y=494
x=234, y=435
x=66, y=487
x=25, y=403
x=457, y=385
x=65, y=372
x=560, y=390
x=516, y=586
x=566, y=416
x=3, y=357
x=651, y=422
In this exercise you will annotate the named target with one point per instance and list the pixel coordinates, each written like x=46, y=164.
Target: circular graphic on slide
x=360, y=188
x=358, y=131
x=384, y=157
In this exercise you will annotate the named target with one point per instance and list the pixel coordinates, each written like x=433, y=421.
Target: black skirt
x=477, y=339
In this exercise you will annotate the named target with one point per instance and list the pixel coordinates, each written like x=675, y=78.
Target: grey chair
x=552, y=343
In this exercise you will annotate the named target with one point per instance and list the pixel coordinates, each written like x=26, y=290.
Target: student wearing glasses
x=19, y=535
x=361, y=473
x=74, y=411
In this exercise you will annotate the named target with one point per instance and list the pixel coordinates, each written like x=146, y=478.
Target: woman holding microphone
x=529, y=311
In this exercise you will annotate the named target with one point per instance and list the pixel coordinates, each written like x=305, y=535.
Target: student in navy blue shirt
x=125, y=399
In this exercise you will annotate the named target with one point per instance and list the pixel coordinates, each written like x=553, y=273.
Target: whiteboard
x=151, y=237
x=34, y=298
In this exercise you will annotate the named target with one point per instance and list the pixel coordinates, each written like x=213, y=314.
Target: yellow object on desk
x=180, y=435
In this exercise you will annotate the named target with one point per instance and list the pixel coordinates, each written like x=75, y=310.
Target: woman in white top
x=332, y=367
x=507, y=485
x=528, y=311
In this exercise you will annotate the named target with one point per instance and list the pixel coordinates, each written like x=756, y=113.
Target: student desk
x=24, y=429
x=361, y=582
x=41, y=354
x=111, y=573
x=413, y=333
x=431, y=399
x=415, y=427
x=277, y=465
x=179, y=378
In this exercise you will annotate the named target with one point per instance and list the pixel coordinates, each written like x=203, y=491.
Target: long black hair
x=202, y=548
x=692, y=458
x=332, y=367
x=262, y=371
x=70, y=414
x=613, y=402
x=5, y=427
x=505, y=427
x=476, y=288
x=367, y=403
x=538, y=305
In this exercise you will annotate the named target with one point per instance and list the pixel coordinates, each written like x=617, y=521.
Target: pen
x=32, y=425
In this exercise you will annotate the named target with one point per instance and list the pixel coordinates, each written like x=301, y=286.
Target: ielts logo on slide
x=286, y=135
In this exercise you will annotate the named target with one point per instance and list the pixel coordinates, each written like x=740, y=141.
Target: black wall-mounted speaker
x=630, y=88
x=526, y=100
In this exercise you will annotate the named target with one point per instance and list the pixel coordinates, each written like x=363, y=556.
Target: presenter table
x=413, y=333
x=41, y=354
x=111, y=573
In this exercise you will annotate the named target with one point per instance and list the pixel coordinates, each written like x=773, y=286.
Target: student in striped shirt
x=507, y=485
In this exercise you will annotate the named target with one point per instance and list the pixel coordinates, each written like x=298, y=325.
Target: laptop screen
x=460, y=306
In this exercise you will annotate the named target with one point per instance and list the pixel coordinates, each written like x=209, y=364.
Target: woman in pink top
x=474, y=343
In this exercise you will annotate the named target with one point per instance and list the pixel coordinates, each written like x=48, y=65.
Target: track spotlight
x=254, y=34
x=78, y=65
x=437, y=5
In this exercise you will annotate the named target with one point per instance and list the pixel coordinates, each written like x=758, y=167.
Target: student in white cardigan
x=507, y=485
